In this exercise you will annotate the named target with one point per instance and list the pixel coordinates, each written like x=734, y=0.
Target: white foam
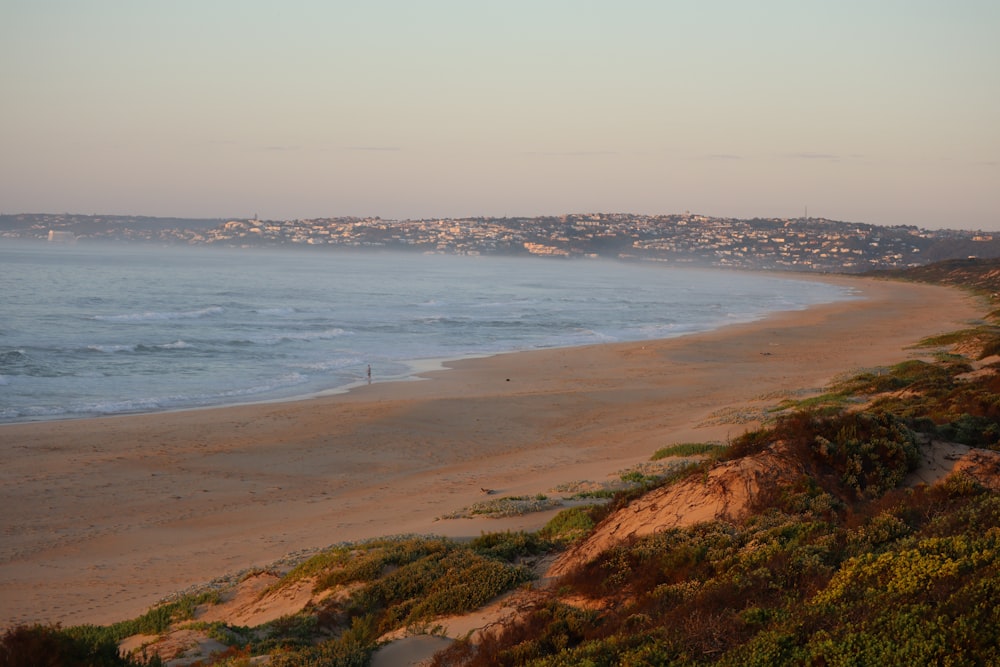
x=112, y=348
x=149, y=316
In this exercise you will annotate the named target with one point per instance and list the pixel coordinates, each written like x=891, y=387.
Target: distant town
x=796, y=244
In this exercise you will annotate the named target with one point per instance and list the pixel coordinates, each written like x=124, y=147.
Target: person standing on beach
x=369, y=373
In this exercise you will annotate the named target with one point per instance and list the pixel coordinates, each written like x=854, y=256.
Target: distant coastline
x=808, y=244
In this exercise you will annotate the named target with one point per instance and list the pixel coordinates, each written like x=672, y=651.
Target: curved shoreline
x=398, y=364
x=103, y=517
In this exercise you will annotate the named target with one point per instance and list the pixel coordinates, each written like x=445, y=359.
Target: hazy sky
x=881, y=111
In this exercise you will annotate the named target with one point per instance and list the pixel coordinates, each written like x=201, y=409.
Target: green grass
x=156, y=621
x=321, y=562
x=953, y=338
x=685, y=449
x=507, y=506
x=511, y=546
x=569, y=525
x=95, y=644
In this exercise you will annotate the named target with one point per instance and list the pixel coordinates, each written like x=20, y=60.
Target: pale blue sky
x=881, y=111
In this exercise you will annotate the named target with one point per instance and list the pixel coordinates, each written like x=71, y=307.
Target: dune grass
x=685, y=449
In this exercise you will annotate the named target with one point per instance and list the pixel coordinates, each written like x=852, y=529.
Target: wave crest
x=157, y=316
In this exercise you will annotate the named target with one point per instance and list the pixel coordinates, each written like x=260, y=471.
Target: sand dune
x=103, y=517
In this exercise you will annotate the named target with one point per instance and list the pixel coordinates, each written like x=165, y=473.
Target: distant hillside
x=981, y=274
x=783, y=244
x=28, y=225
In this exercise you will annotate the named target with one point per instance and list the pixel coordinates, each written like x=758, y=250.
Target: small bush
x=447, y=582
x=509, y=546
x=321, y=562
x=156, y=621
x=569, y=525
x=368, y=561
x=46, y=645
x=872, y=452
x=751, y=442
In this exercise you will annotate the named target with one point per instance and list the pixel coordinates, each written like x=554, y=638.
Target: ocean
x=89, y=330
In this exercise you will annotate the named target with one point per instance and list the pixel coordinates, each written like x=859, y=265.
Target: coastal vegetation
x=804, y=582
x=851, y=561
x=849, y=565
x=95, y=644
x=685, y=449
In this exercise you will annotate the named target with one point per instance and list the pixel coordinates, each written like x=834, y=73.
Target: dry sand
x=101, y=518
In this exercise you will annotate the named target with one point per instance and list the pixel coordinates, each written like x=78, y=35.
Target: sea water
x=91, y=330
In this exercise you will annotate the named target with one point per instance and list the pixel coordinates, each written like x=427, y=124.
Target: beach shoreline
x=393, y=367
x=103, y=517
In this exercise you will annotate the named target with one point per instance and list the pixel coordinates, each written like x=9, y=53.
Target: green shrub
x=875, y=534
x=509, y=546
x=446, y=582
x=553, y=629
x=966, y=429
x=44, y=645
x=156, y=621
x=569, y=525
x=295, y=630
x=319, y=563
x=751, y=442
x=346, y=651
x=369, y=560
x=872, y=452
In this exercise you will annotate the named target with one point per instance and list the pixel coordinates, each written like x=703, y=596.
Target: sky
x=878, y=111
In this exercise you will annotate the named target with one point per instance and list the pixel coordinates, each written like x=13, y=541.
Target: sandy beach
x=103, y=517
